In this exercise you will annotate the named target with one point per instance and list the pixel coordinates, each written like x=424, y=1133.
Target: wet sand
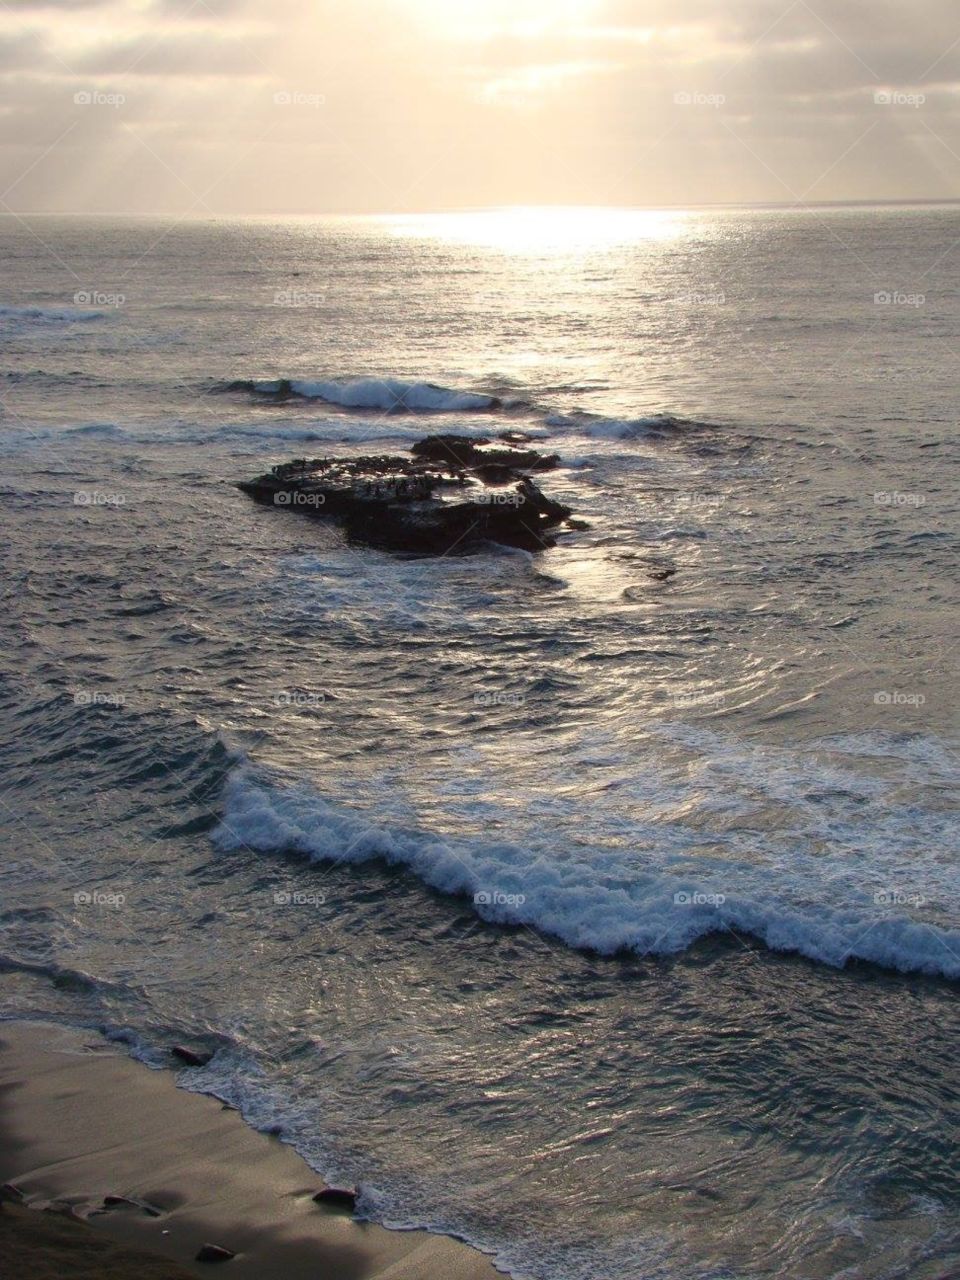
x=79, y=1121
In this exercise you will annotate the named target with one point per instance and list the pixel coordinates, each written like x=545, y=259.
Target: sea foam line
x=645, y=912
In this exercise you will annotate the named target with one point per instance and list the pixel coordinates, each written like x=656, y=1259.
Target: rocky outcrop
x=453, y=493
x=472, y=454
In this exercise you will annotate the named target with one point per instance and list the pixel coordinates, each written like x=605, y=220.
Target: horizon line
x=788, y=205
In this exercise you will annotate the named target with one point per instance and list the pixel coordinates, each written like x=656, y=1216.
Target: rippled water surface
x=605, y=916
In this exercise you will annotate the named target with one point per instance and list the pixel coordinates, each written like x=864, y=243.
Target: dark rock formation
x=470, y=453
x=454, y=493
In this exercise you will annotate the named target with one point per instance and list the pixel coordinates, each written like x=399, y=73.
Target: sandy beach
x=80, y=1121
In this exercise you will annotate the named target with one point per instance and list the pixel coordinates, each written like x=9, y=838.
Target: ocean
x=598, y=906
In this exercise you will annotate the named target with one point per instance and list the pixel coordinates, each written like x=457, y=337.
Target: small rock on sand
x=213, y=1253
x=189, y=1057
x=131, y=1202
x=338, y=1197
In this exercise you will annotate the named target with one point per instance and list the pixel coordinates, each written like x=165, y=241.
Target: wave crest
x=586, y=907
x=392, y=395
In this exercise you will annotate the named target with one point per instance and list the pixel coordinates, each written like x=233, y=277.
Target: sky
x=209, y=107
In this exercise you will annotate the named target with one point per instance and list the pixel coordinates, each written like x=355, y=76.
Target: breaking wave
x=587, y=906
x=392, y=395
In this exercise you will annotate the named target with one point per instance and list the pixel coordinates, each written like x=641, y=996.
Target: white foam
x=394, y=395
x=588, y=904
x=615, y=429
x=608, y=428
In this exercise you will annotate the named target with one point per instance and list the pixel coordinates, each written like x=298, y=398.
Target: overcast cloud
x=295, y=106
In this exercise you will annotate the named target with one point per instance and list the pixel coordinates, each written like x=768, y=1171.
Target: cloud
x=393, y=104
x=196, y=10
x=199, y=54
x=21, y=6
x=23, y=49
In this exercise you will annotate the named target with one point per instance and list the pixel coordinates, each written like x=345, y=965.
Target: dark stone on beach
x=338, y=1197
x=11, y=1193
x=404, y=504
x=130, y=1202
x=188, y=1056
x=213, y=1253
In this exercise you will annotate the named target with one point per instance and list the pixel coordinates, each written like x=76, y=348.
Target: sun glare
x=541, y=230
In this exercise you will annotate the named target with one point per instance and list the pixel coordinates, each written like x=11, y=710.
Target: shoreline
x=81, y=1120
